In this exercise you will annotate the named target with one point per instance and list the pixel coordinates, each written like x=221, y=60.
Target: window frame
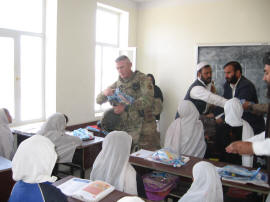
x=16, y=36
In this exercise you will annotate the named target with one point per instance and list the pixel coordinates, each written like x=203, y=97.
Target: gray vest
x=199, y=104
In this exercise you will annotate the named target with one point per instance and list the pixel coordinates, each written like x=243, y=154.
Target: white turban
x=201, y=65
x=233, y=112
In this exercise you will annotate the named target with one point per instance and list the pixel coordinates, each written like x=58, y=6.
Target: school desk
x=6, y=181
x=144, y=165
x=84, y=155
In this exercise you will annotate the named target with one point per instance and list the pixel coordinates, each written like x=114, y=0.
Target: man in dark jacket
x=237, y=85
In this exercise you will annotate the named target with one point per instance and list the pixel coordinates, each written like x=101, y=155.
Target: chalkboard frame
x=249, y=55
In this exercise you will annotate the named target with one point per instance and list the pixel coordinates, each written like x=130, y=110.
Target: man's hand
x=240, y=147
x=211, y=115
x=219, y=121
x=108, y=92
x=246, y=105
x=119, y=108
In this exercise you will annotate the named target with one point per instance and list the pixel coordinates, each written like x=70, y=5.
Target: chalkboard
x=249, y=56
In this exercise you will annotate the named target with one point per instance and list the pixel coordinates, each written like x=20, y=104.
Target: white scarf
x=65, y=145
x=111, y=164
x=34, y=160
x=185, y=135
x=233, y=111
x=6, y=137
x=206, y=186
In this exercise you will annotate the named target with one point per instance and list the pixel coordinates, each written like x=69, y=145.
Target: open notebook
x=86, y=190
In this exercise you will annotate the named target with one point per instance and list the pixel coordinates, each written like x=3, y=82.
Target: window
x=111, y=36
x=22, y=59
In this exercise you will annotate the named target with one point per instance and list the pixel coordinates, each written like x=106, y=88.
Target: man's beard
x=232, y=80
x=206, y=81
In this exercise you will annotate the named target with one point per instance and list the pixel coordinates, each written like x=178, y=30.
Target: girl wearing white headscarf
x=186, y=135
x=233, y=111
x=206, y=186
x=65, y=145
x=32, y=167
x=111, y=164
x=6, y=136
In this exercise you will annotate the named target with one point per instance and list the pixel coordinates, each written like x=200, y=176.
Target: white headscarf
x=206, y=186
x=6, y=137
x=233, y=111
x=111, y=164
x=65, y=145
x=34, y=160
x=130, y=199
x=185, y=135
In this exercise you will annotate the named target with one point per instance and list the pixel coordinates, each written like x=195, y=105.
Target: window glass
x=7, y=74
x=31, y=78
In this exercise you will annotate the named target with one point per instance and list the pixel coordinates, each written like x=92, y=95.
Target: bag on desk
x=158, y=184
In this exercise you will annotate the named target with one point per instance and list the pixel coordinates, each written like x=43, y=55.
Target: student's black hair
x=152, y=77
x=236, y=66
x=66, y=118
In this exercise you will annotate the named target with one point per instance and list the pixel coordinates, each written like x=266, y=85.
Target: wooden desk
x=84, y=155
x=112, y=197
x=6, y=181
x=141, y=165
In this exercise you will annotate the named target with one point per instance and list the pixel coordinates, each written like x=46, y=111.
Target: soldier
x=136, y=85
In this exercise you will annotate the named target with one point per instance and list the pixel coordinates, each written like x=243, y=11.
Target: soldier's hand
x=108, y=92
x=119, y=108
x=240, y=147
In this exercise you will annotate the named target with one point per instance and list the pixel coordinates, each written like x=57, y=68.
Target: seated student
x=32, y=167
x=112, y=166
x=6, y=136
x=239, y=130
x=65, y=145
x=185, y=135
x=206, y=186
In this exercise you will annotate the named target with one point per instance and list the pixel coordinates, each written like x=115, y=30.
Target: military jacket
x=142, y=90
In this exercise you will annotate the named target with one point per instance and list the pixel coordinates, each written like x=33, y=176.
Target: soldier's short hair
x=121, y=58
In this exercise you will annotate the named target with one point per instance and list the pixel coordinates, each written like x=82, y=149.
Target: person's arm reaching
x=201, y=93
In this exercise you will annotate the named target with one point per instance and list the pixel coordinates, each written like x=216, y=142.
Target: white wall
x=168, y=32
x=75, y=55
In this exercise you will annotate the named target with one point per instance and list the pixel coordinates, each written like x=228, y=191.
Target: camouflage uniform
x=141, y=89
x=258, y=109
x=149, y=139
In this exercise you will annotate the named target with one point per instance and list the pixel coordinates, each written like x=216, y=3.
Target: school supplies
x=86, y=190
x=168, y=157
x=243, y=175
x=120, y=97
x=83, y=134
